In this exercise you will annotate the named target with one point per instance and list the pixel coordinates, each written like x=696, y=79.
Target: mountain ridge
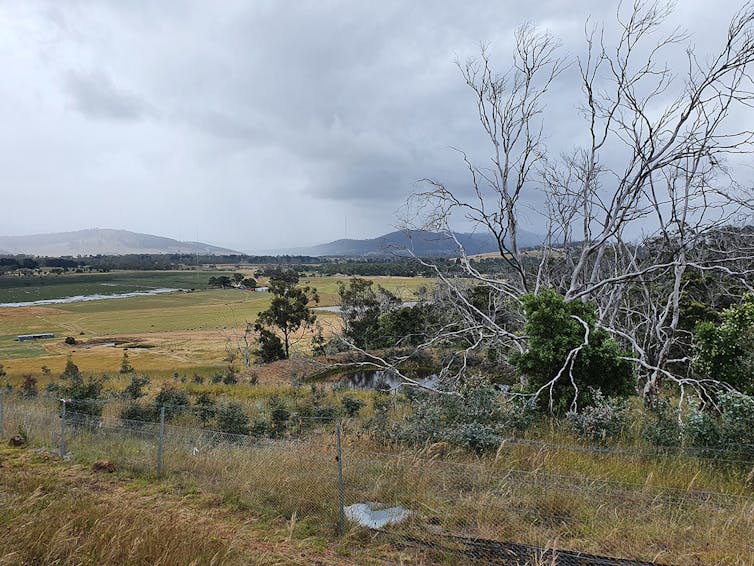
x=104, y=241
x=419, y=242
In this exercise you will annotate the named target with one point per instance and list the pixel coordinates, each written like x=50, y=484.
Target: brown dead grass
x=57, y=513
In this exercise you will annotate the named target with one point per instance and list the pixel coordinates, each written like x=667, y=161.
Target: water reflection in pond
x=381, y=379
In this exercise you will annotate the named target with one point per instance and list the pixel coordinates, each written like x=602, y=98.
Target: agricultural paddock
x=165, y=334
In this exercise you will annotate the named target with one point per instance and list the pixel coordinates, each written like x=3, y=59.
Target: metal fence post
x=62, y=430
x=341, y=495
x=162, y=441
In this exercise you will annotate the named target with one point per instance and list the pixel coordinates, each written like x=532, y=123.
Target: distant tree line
x=373, y=266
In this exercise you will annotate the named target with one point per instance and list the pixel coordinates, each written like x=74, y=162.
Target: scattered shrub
x=232, y=419
x=135, y=389
x=138, y=412
x=472, y=417
x=604, y=419
x=279, y=415
x=230, y=377
x=125, y=365
x=175, y=400
x=206, y=406
x=661, y=427
x=475, y=437
x=701, y=430
x=518, y=413
x=259, y=427
x=737, y=420
x=29, y=386
x=83, y=395
x=351, y=406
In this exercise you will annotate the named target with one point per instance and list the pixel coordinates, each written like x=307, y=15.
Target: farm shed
x=29, y=337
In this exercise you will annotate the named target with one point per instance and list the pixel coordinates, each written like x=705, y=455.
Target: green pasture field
x=404, y=287
x=15, y=289
x=174, y=332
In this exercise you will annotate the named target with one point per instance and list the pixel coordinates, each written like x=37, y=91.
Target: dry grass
x=62, y=514
x=610, y=504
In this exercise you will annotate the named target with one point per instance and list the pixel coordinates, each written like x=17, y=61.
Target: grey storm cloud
x=263, y=124
x=94, y=94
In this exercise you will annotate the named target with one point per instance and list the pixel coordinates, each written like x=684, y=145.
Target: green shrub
x=518, y=413
x=604, y=419
x=701, y=430
x=139, y=412
x=661, y=428
x=232, y=419
x=260, y=427
x=737, y=420
x=135, y=389
x=83, y=395
x=473, y=417
x=474, y=436
x=175, y=400
x=725, y=352
x=351, y=406
x=206, y=406
x=279, y=415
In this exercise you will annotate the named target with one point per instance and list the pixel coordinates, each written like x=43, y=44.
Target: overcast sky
x=257, y=124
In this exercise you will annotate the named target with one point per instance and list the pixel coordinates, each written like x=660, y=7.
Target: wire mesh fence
x=447, y=508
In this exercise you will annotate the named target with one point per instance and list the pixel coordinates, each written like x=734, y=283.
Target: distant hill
x=102, y=241
x=421, y=243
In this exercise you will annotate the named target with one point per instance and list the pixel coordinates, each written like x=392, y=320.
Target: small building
x=29, y=337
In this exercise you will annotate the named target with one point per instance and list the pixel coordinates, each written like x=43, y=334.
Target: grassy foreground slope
x=59, y=513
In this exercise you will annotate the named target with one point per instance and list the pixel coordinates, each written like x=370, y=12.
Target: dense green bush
x=725, y=352
x=279, y=415
x=270, y=346
x=736, y=421
x=554, y=331
x=701, y=430
x=730, y=428
x=206, y=407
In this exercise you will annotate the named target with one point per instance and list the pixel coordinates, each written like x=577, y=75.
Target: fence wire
x=321, y=470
